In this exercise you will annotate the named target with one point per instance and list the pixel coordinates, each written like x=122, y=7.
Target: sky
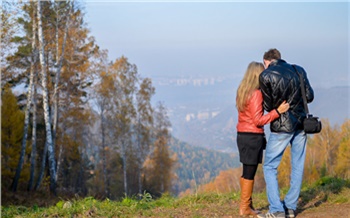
x=212, y=38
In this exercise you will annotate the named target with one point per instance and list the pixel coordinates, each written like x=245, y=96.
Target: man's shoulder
x=268, y=72
x=265, y=75
x=298, y=67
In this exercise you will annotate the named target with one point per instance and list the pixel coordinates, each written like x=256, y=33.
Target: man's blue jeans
x=275, y=148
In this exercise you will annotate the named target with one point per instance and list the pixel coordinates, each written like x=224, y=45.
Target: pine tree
x=12, y=120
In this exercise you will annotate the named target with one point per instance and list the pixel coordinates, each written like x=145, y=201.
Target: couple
x=275, y=88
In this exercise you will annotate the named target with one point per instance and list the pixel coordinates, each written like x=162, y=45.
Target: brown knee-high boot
x=251, y=200
x=246, y=205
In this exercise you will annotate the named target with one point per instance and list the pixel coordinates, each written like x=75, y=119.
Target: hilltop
x=328, y=197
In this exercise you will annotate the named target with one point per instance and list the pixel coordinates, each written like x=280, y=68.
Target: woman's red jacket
x=252, y=119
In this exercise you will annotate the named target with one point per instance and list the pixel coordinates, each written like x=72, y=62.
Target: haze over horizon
x=182, y=38
x=197, y=52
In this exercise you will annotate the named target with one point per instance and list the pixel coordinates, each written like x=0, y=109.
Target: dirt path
x=326, y=210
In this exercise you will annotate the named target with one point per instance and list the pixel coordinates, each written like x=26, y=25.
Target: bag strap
x=302, y=86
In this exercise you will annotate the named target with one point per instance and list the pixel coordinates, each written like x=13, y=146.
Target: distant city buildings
x=184, y=81
x=202, y=115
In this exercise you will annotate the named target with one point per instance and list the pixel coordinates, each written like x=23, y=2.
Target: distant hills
x=203, y=117
x=332, y=104
x=202, y=110
x=196, y=166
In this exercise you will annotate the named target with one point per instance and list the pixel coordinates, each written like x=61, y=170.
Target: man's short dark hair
x=272, y=54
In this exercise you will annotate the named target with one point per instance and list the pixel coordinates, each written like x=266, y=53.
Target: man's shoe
x=272, y=215
x=290, y=213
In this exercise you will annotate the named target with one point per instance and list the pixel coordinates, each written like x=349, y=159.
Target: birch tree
x=143, y=125
x=45, y=93
x=28, y=106
x=59, y=61
x=68, y=53
x=105, y=91
x=34, y=136
x=127, y=80
x=63, y=63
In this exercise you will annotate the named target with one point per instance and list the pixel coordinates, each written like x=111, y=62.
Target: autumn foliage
x=95, y=130
x=92, y=128
x=328, y=154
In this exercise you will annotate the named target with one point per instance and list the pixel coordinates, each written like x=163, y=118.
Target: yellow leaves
x=330, y=149
x=103, y=74
x=120, y=63
x=328, y=152
x=325, y=145
x=342, y=168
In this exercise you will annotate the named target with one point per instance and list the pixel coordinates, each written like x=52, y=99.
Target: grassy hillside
x=328, y=197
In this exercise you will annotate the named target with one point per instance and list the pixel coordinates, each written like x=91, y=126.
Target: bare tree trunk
x=32, y=69
x=50, y=148
x=139, y=158
x=59, y=159
x=124, y=168
x=104, y=156
x=27, y=111
x=42, y=170
x=33, y=153
x=139, y=164
x=58, y=64
x=144, y=124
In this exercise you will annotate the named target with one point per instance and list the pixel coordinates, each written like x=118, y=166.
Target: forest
x=74, y=123
x=196, y=165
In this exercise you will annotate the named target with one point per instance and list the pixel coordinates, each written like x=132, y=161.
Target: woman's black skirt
x=250, y=147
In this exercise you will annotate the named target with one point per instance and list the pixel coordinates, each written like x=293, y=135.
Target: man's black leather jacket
x=281, y=82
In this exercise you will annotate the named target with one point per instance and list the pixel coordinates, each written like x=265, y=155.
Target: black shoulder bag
x=311, y=124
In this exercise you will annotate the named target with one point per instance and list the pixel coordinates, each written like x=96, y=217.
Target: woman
x=250, y=131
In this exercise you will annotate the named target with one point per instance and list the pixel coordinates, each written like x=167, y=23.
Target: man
x=278, y=82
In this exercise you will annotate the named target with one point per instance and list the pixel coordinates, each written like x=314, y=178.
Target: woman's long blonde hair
x=249, y=83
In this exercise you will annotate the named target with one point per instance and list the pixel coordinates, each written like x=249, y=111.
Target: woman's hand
x=283, y=107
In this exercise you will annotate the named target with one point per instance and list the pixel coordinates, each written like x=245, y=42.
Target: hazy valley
x=202, y=109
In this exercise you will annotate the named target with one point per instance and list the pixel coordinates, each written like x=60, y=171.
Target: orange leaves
x=328, y=154
x=226, y=181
